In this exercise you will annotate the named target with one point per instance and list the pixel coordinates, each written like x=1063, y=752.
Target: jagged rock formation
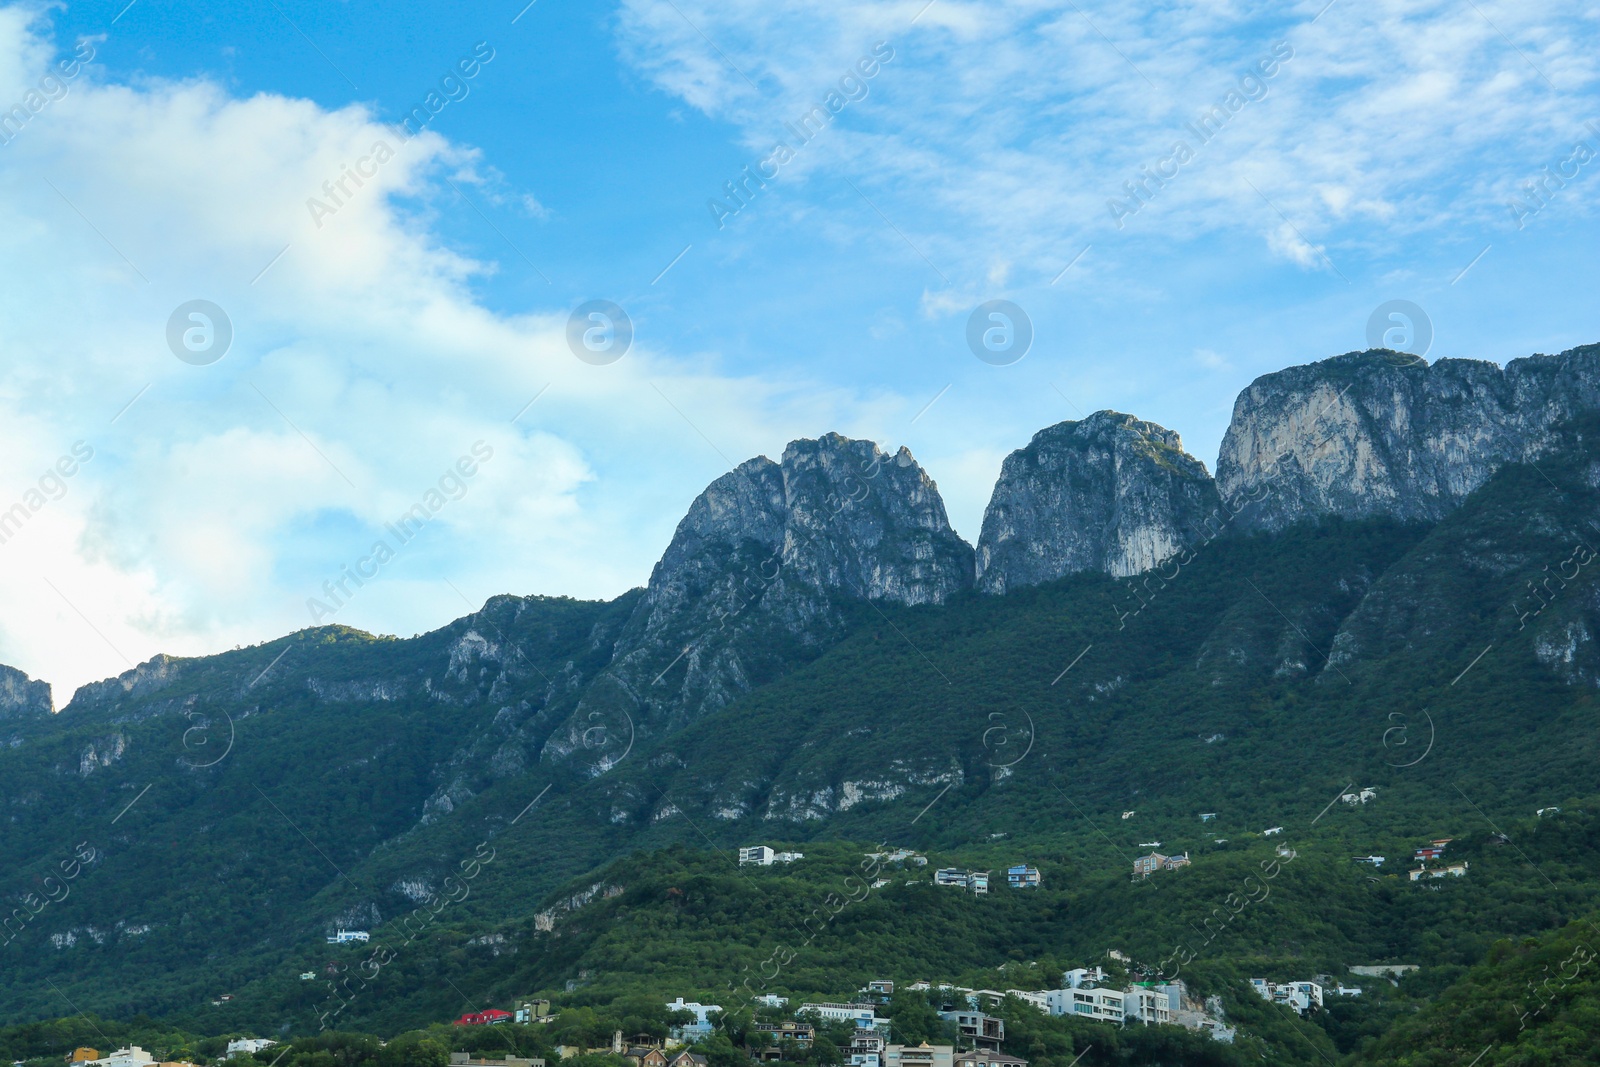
x=21, y=696
x=1109, y=493
x=748, y=586
x=1382, y=433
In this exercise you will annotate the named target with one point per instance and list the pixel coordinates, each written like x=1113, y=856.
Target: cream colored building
x=923, y=1055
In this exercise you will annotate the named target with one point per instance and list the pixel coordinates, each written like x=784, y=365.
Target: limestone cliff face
x=1109, y=493
x=21, y=696
x=751, y=583
x=1381, y=433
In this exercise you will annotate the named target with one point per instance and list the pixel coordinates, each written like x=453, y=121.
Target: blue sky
x=988, y=157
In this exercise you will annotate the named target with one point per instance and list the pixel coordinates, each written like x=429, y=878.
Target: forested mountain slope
x=222, y=815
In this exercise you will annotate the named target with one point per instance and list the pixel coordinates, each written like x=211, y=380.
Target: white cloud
x=360, y=369
x=1005, y=128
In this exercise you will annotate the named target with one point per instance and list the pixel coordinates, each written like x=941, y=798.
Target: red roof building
x=484, y=1018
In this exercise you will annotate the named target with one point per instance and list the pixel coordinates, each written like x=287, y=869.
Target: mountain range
x=1387, y=583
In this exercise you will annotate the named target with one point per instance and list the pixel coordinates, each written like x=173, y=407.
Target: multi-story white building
x=977, y=881
x=1301, y=996
x=976, y=1029
x=702, y=1025
x=1104, y=1004
x=1119, y=1005
x=866, y=1049
x=863, y=1015
x=131, y=1056
x=343, y=937
x=1038, y=998
x=762, y=856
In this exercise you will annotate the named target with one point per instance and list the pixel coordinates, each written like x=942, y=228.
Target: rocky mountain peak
x=752, y=580
x=868, y=524
x=1385, y=433
x=21, y=696
x=1109, y=493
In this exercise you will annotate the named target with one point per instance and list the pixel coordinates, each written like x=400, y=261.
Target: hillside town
x=1084, y=993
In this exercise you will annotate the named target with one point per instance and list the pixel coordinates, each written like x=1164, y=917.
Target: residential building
x=801, y=1034
x=772, y=1000
x=1039, y=999
x=1272, y=831
x=1145, y=1005
x=1301, y=996
x=1542, y=812
x=1453, y=869
x=687, y=1059
x=1207, y=816
x=879, y=989
x=866, y=1049
x=1376, y=861
x=702, y=1025
x=762, y=856
x=1103, y=1004
x=249, y=1045
x=490, y=1017
x=1145, y=866
x=532, y=1011
x=344, y=937
x=83, y=1055
x=975, y=1029
x=1022, y=876
x=131, y=1056
x=1422, y=855
x=645, y=1056
x=1360, y=797
x=899, y=855
x=976, y=881
x=463, y=1059
x=863, y=1015
x=1174, y=991
x=988, y=1058
x=307, y=976
x=1080, y=975
x=923, y=1055
x=1129, y=814
x=1347, y=990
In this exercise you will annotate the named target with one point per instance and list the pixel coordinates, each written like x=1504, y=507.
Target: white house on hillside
x=132, y=1056
x=864, y=1016
x=762, y=856
x=250, y=1045
x=1301, y=996
x=701, y=1027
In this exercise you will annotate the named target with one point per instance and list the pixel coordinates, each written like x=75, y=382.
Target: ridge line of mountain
x=771, y=547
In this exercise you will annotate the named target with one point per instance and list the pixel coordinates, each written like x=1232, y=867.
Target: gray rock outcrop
x=22, y=697
x=1384, y=434
x=751, y=582
x=1110, y=493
